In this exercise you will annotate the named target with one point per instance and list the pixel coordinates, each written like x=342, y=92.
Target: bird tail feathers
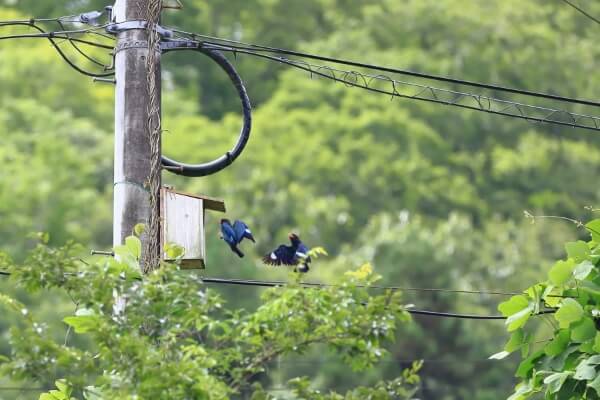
x=237, y=251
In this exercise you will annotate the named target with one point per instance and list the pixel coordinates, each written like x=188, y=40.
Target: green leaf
x=134, y=245
x=578, y=250
x=519, y=319
x=556, y=380
x=499, y=356
x=515, y=341
x=58, y=395
x=565, y=360
x=587, y=347
x=561, y=272
x=513, y=305
x=583, y=330
x=559, y=343
x=521, y=390
x=595, y=384
x=596, y=347
x=139, y=229
x=174, y=251
x=92, y=393
x=586, y=370
x=591, y=288
x=124, y=255
x=594, y=228
x=61, y=385
x=526, y=366
x=570, y=311
x=583, y=269
x=552, y=296
x=84, y=321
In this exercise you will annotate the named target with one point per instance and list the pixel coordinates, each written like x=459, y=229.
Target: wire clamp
x=90, y=18
x=115, y=28
x=178, y=44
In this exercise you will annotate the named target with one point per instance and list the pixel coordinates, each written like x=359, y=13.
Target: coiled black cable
x=209, y=168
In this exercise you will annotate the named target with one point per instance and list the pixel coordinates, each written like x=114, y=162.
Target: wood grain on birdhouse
x=183, y=219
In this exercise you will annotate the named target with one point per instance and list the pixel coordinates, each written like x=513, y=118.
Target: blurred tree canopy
x=432, y=196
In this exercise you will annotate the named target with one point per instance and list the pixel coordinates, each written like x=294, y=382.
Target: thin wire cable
x=83, y=53
x=255, y=47
x=436, y=95
x=582, y=11
x=408, y=310
x=393, y=361
x=401, y=288
x=51, y=36
x=254, y=282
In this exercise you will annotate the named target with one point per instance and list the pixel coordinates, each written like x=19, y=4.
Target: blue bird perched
x=234, y=234
x=296, y=254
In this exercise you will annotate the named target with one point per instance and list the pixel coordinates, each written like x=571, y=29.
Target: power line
x=244, y=282
x=433, y=94
x=261, y=48
x=254, y=282
x=582, y=11
x=53, y=36
x=64, y=34
x=409, y=310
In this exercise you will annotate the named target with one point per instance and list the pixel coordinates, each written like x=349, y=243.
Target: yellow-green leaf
x=561, y=272
x=570, y=311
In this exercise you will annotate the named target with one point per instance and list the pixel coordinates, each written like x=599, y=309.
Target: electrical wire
x=582, y=11
x=83, y=53
x=234, y=281
x=54, y=35
x=408, y=310
x=433, y=94
x=254, y=47
x=243, y=282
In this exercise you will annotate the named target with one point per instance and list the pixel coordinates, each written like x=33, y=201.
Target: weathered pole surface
x=132, y=138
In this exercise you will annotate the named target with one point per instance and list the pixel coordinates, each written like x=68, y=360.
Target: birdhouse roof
x=209, y=203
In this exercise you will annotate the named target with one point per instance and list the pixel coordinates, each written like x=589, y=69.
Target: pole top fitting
x=115, y=28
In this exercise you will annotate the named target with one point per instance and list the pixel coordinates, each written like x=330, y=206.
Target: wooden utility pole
x=133, y=149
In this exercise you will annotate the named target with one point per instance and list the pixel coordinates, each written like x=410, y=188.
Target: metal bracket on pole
x=136, y=24
x=178, y=44
x=91, y=18
x=109, y=13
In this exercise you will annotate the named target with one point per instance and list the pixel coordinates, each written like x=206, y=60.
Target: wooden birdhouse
x=182, y=224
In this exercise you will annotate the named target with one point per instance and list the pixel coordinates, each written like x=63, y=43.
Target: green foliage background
x=433, y=196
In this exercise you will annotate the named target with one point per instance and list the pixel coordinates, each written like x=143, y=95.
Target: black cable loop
x=212, y=167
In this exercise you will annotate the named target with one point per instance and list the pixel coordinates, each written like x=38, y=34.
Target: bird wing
x=282, y=255
x=242, y=231
x=302, y=253
x=228, y=234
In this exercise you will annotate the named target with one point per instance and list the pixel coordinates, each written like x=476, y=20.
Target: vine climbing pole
x=137, y=125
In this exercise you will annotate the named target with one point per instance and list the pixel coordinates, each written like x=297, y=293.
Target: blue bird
x=242, y=231
x=234, y=234
x=296, y=255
